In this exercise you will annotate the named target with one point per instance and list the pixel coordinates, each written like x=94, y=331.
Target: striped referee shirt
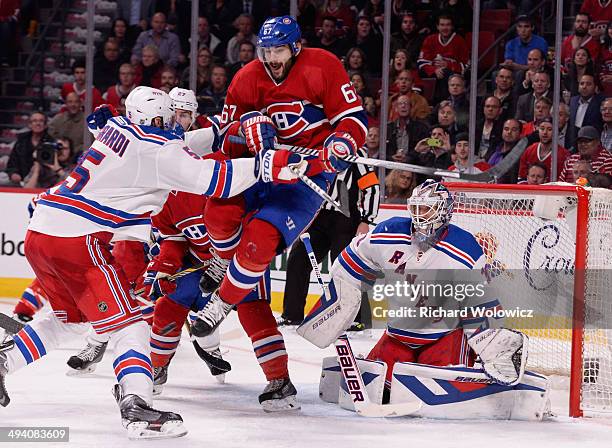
x=361, y=183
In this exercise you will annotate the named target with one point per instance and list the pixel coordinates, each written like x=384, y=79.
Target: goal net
x=549, y=250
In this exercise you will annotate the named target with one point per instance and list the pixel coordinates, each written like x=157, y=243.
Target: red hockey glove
x=258, y=130
x=337, y=146
x=156, y=281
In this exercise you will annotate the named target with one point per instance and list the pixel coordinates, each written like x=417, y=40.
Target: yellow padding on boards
x=13, y=287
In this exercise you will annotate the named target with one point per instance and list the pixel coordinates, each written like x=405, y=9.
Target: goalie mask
x=431, y=209
x=150, y=107
x=185, y=106
x=278, y=44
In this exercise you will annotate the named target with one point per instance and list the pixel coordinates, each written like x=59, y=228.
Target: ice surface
x=229, y=415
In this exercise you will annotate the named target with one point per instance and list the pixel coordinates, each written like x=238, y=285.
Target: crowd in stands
x=428, y=104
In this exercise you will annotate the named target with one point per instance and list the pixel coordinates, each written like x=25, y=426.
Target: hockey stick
x=348, y=364
x=9, y=324
x=176, y=276
x=318, y=190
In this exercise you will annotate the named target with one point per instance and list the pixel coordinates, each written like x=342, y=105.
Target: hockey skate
x=160, y=378
x=216, y=364
x=4, y=398
x=279, y=395
x=144, y=422
x=211, y=316
x=86, y=360
x=284, y=322
x=211, y=279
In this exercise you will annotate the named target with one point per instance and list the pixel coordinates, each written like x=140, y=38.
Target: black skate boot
x=86, y=360
x=279, y=395
x=211, y=279
x=160, y=378
x=216, y=364
x=4, y=398
x=211, y=316
x=144, y=422
x=284, y=322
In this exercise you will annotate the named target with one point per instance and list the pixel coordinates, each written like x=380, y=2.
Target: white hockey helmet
x=184, y=99
x=144, y=104
x=431, y=209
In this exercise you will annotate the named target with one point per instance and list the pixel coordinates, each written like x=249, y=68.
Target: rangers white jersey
x=418, y=312
x=126, y=176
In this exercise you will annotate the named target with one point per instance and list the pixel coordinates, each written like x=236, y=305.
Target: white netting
x=529, y=240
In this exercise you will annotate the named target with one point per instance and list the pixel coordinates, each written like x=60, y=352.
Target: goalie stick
x=348, y=364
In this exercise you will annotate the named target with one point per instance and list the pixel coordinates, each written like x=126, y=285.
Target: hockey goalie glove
x=258, y=130
x=335, y=148
x=279, y=166
x=98, y=118
x=503, y=354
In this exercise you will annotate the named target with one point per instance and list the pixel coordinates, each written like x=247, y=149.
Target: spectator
x=70, y=123
x=306, y=16
x=589, y=149
x=207, y=39
x=355, y=61
x=116, y=95
x=525, y=41
x=434, y=154
x=606, y=115
x=504, y=82
x=462, y=153
x=536, y=63
x=447, y=118
x=106, y=66
x=605, y=71
x=119, y=33
x=598, y=180
x=581, y=64
x=419, y=107
x=458, y=99
x=221, y=15
x=245, y=55
x=244, y=25
x=511, y=133
x=537, y=174
x=204, y=68
x=579, y=39
x=369, y=105
x=398, y=186
x=489, y=129
x=542, y=151
x=582, y=168
x=600, y=13
x=461, y=12
x=403, y=133
x=148, y=71
x=46, y=175
x=585, y=108
x=79, y=85
x=373, y=142
x=136, y=13
x=341, y=13
x=401, y=62
x=541, y=110
x=408, y=38
x=374, y=10
x=369, y=43
x=211, y=99
x=526, y=102
x=21, y=158
x=563, y=124
x=168, y=79
x=359, y=84
x=167, y=43
x=443, y=54
x=328, y=39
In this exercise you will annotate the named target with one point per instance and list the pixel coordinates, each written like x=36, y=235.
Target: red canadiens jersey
x=599, y=11
x=454, y=52
x=314, y=100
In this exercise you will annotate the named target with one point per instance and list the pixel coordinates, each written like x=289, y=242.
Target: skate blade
x=365, y=334
x=169, y=430
x=283, y=405
x=81, y=372
x=220, y=378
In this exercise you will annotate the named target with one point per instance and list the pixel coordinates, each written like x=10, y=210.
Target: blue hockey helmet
x=431, y=209
x=279, y=31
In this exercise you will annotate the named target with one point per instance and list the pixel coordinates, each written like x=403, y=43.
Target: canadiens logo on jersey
x=295, y=117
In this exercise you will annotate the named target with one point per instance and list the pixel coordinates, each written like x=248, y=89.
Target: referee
x=331, y=231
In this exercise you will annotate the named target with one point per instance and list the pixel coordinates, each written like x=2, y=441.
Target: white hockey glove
x=279, y=166
x=503, y=354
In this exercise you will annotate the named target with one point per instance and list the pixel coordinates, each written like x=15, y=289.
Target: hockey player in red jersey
x=308, y=100
x=124, y=177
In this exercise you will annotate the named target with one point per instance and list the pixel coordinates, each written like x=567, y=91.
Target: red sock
x=168, y=323
x=223, y=220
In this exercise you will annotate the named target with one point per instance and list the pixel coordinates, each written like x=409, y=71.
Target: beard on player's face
x=280, y=70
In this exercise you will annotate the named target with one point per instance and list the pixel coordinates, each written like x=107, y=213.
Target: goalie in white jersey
x=428, y=329
x=122, y=179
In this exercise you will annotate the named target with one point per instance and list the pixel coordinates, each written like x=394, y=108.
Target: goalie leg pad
x=461, y=393
x=333, y=389
x=327, y=320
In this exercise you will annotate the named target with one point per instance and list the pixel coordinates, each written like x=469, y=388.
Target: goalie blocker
x=455, y=392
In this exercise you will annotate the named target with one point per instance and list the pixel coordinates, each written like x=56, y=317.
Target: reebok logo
x=9, y=247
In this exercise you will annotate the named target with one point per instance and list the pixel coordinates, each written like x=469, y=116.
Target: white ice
x=229, y=415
